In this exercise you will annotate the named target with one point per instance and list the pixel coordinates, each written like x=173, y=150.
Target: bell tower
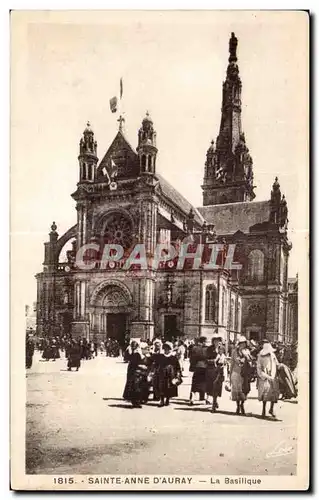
x=87, y=157
x=228, y=176
x=146, y=148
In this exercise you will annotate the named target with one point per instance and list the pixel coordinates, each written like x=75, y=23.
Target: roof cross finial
x=121, y=119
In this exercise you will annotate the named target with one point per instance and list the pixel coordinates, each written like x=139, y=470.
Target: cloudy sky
x=66, y=67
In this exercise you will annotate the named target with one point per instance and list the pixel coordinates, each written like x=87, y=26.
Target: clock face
x=118, y=230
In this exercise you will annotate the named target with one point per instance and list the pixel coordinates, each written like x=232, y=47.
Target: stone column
x=80, y=326
x=142, y=325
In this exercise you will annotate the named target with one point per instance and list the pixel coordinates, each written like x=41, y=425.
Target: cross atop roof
x=121, y=119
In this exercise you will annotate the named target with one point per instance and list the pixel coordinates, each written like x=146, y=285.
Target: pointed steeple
x=228, y=169
x=230, y=126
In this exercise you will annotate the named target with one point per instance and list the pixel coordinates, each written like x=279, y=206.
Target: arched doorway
x=111, y=305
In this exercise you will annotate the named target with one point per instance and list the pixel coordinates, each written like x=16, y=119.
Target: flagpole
x=121, y=112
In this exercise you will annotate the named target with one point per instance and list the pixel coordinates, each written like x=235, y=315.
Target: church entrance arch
x=111, y=306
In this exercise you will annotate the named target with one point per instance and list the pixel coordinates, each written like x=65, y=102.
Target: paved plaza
x=77, y=423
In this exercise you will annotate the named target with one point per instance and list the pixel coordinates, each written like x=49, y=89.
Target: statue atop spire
x=53, y=233
x=233, y=42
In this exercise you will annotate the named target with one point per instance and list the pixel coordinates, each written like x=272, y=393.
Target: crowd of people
x=159, y=370
x=157, y=367
x=75, y=350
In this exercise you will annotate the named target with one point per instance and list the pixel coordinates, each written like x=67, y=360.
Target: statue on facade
x=283, y=217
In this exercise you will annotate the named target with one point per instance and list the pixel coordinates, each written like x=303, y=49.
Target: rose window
x=118, y=230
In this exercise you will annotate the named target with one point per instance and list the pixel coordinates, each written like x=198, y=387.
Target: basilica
x=123, y=200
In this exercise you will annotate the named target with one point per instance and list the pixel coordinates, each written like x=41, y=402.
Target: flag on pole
x=113, y=169
x=121, y=87
x=114, y=100
x=113, y=104
x=105, y=172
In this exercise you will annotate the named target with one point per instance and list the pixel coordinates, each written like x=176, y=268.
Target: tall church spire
x=228, y=169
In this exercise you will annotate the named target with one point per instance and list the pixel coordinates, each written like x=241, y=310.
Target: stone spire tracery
x=229, y=168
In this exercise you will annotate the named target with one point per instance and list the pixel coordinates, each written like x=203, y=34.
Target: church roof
x=232, y=217
x=178, y=199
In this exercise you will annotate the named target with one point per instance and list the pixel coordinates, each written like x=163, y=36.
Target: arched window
x=238, y=315
x=46, y=300
x=83, y=171
x=210, y=303
x=256, y=265
x=143, y=163
x=90, y=172
x=223, y=315
x=232, y=314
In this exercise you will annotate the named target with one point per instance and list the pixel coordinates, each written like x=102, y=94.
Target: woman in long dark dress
x=136, y=388
x=198, y=366
x=153, y=374
x=169, y=375
x=46, y=354
x=240, y=372
x=29, y=351
x=74, y=356
x=215, y=370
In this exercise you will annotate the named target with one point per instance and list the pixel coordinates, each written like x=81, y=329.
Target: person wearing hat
x=215, y=362
x=136, y=388
x=153, y=373
x=198, y=364
x=268, y=387
x=239, y=374
x=169, y=375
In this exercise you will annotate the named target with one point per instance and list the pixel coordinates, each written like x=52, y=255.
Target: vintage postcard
x=159, y=263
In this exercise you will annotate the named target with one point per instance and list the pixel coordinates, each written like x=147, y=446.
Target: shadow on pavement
x=269, y=419
x=195, y=408
x=151, y=403
x=207, y=409
x=126, y=407
x=180, y=402
x=112, y=399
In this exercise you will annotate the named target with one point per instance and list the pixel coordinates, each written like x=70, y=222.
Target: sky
x=66, y=66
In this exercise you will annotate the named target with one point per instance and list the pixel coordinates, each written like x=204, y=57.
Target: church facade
x=123, y=200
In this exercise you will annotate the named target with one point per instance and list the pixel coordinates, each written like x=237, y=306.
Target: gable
x=122, y=155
